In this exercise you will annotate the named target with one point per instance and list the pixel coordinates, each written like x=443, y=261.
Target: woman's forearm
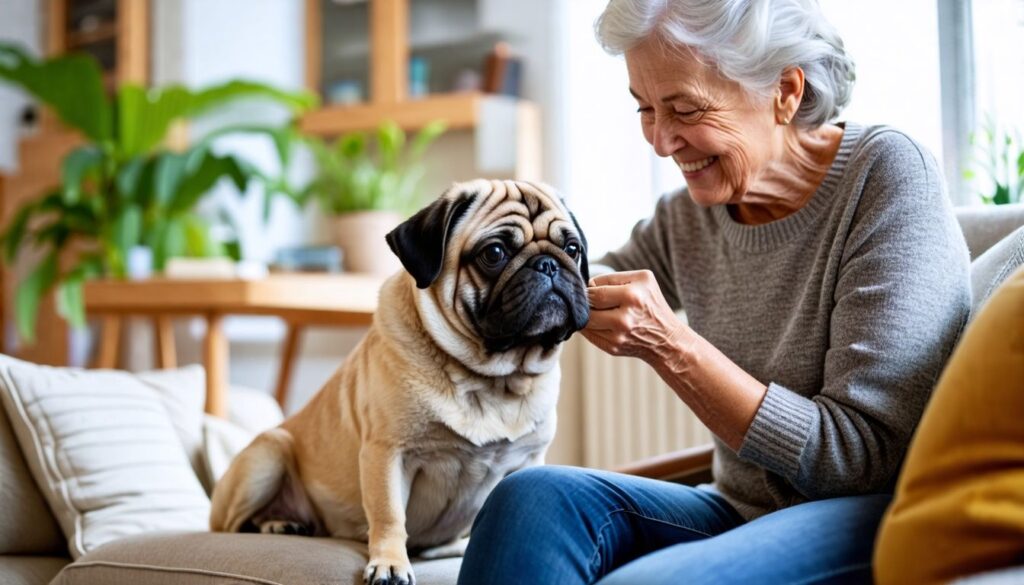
x=722, y=395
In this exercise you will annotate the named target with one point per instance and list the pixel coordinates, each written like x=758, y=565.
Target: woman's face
x=721, y=139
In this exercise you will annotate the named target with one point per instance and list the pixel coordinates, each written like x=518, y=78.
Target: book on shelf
x=503, y=71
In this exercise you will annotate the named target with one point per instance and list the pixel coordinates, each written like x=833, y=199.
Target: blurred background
x=264, y=124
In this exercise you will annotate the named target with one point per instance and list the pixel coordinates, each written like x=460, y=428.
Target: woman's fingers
x=620, y=278
x=607, y=296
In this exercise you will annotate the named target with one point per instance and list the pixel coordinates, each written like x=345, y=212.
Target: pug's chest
x=485, y=411
x=451, y=480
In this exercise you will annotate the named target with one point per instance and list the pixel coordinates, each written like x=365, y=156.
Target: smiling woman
x=799, y=249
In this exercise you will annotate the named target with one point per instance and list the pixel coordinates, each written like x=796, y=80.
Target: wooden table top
x=345, y=299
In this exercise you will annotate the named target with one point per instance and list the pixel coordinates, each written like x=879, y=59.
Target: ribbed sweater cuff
x=776, y=437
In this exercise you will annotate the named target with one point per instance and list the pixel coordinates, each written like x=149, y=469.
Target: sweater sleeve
x=649, y=248
x=901, y=299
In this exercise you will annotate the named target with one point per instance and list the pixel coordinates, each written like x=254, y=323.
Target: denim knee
x=540, y=492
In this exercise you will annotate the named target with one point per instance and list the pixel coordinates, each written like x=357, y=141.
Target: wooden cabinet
x=367, y=45
x=116, y=32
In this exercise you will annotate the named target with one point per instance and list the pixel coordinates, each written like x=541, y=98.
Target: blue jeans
x=569, y=526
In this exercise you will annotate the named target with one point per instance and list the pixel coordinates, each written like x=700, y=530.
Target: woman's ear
x=420, y=241
x=789, y=94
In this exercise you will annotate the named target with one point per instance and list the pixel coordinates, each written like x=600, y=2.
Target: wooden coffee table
x=301, y=300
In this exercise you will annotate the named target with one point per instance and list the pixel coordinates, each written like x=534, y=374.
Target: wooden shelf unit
x=388, y=99
x=459, y=111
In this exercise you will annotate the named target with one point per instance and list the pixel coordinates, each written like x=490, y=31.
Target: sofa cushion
x=959, y=506
x=218, y=558
x=984, y=225
x=30, y=570
x=103, y=451
x=26, y=524
x=993, y=267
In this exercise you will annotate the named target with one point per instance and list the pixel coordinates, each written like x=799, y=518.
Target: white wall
x=19, y=23
x=895, y=46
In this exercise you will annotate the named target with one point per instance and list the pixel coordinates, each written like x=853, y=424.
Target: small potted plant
x=369, y=189
x=998, y=164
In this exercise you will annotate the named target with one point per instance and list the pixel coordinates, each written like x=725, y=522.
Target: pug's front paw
x=382, y=571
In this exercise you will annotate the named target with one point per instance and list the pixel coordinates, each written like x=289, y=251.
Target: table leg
x=163, y=333
x=110, y=342
x=215, y=357
x=291, y=344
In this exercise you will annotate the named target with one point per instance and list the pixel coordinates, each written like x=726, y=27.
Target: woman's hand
x=630, y=317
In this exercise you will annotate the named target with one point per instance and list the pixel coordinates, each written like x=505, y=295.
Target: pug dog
x=453, y=387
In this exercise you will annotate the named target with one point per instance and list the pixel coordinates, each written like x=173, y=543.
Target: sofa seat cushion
x=29, y=570
x=205, y=558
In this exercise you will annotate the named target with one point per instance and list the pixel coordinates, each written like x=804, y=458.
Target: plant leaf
x=202, y=173
x=167, y=177
x=31, y=292
x=15, y=233
x=144, y=116
x=126, y=232
x=217, y=95
x=72, y=85
x=425, y=137
x=83, y=163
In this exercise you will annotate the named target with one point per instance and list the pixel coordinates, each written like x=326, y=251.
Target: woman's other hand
x=630, y=317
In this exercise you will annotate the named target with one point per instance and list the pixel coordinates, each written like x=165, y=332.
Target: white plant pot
x=360, y=235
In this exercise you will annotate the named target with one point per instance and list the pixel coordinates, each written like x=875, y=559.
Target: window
x=995, y=73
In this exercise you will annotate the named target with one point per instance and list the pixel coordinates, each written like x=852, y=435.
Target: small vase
x=360, y=235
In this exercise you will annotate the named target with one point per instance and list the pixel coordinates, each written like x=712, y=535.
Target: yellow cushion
x=959, y=505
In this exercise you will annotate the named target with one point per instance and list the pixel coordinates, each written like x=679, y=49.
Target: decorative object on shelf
x=503, y=71
x=308, y=259
x=368, y=191
x=345, y=91
x=123, y=188
x=998, y=162
x=468, y=80
x=419, y=77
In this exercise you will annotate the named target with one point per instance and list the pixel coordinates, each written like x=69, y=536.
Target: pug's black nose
x=544, y=264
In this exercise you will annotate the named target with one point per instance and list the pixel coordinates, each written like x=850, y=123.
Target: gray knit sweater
x=847, y=310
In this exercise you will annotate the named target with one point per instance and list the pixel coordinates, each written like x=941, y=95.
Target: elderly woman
x=825, y=282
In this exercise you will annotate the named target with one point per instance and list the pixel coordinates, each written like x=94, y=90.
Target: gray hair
x=750, y=42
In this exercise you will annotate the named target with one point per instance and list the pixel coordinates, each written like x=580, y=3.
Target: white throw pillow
x=103, y=450
x=222, y=441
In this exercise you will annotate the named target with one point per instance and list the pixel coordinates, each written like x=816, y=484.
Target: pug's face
x=507, y=259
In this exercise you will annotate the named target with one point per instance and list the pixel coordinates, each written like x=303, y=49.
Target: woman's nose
x=665, y=138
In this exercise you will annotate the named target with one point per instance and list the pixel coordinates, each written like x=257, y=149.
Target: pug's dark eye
x=492, y=255
x=573, y=250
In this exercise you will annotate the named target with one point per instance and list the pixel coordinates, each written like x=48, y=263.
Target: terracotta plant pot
x=360, y=235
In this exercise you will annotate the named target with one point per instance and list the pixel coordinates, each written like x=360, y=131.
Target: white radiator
x=629, y=413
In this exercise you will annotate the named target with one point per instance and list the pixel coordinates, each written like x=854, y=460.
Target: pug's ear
x=420, y=241
x=584, y=264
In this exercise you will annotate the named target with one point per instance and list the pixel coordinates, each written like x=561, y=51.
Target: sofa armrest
x=689, y=466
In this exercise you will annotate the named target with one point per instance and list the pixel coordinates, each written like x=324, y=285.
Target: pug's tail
x=252, y=482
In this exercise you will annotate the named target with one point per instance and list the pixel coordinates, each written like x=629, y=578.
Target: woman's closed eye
x=689, y=114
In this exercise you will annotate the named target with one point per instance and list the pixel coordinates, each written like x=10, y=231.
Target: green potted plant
x=999, y=162
x=368, y=189
x=123, y=188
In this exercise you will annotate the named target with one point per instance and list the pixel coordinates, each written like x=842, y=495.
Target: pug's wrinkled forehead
x=505, y=216
x=517, y=218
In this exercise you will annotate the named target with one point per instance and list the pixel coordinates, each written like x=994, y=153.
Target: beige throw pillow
x=103, y=450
